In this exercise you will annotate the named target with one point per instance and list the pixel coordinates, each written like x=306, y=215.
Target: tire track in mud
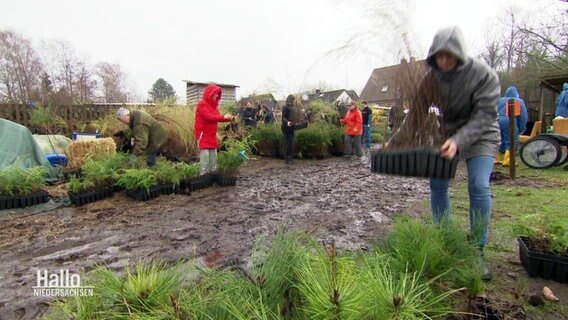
x=332, y=199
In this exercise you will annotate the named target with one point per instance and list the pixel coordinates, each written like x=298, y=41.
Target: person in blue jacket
x=562, y=102
x=504, y=156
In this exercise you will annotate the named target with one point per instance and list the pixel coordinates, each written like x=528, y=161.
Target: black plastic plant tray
x=144, y=195
x=199, y=182
x=419, y=162
x=88, y=196
x=169, y=189
x=541, y=264
x=22, y=201
x=224, y=180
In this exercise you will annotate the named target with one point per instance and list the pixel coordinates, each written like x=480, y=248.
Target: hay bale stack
x=79, y=151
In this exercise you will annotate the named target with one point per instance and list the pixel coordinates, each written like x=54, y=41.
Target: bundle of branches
x=423, y=125
x=233, y=130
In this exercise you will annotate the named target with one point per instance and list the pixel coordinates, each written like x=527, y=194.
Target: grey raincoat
x=469, y=96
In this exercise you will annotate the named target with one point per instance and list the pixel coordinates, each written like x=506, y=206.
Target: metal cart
x=545, y=151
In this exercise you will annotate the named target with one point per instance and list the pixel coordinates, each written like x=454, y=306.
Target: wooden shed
x=551, y=82
x=194, y=92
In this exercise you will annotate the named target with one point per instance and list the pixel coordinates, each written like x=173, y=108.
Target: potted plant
x=99, y=174
x=314, y=141
x=268, y=139
x=543, y=247
x=21, y=187
x=168, y=176
x=336, y=135
x=81, y=191
x=230, y=160
x=190, y=178
x=139, y=184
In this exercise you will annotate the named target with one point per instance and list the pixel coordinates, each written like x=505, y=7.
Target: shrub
x=269, y=138
x=323, y=111
x=228, y=108
x=77, y=185
x=293, y=278
x=234, y=155
x=15, y=180
x=105, y=169
x=548, y=232
x=314, y=140
x=167, y=173
x=187, y=170
x=424, y=248
x=46, y=120
x=377, y=135
x=137, y=179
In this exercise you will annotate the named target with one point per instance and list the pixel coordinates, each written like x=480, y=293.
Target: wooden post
x=512, y=125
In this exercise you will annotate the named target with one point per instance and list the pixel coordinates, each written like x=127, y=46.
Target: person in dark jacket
x=207, y=116
x=248, y=115
x=268, y=114
x=367, y=113
x=468, y=92
x=520, y=124
x=341, y=109
x=288, y=128
x=148, y=134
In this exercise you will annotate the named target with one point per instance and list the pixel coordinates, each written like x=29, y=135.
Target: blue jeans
x=367, y=136
x=478, y=171
x=151, y=159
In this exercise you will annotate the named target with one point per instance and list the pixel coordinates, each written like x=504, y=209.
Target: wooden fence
x=71, y=114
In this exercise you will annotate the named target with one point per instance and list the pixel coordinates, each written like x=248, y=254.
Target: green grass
x=532, y=192
x=543, y=192
x=294, y=278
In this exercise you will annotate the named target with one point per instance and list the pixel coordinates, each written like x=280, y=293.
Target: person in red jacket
x=353, y=122
x=207, y=116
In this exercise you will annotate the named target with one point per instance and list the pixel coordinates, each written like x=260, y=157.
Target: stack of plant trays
x=415, y=162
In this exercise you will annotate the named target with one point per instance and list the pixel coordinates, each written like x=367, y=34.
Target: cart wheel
x=563, y=156
x=541, y=152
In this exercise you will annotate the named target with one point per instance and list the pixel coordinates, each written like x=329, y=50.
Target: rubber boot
x=485, y=270
x=499, y=158
x=506, y=159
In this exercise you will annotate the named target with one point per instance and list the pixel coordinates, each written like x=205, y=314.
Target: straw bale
x=79, y=151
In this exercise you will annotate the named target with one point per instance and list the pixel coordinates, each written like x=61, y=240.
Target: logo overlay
x=60, y=284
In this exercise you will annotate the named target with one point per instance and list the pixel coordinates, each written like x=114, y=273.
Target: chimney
x=412, y=60
x=318, y=91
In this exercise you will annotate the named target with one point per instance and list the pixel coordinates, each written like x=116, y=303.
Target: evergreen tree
x=161, y=90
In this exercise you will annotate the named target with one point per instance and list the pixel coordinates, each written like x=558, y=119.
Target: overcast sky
x=281, y=46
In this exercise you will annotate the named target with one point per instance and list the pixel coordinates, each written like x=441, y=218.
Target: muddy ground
x=332, y=199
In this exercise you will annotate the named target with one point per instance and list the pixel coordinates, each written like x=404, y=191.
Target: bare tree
x=85, y=84
x=549, y=40
x=523, y=43
x=20, y=67
x=71, y=78
x=112, y=81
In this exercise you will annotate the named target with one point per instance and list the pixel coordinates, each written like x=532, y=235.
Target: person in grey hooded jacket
x=468, y=91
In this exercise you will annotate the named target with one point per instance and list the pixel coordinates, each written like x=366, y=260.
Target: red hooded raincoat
x=207, y=116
